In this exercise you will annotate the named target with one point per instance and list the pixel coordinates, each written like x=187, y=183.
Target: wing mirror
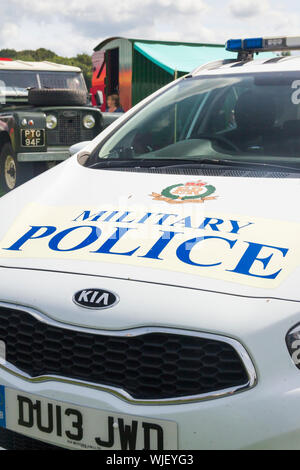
x=99, y=98
x=78, y=147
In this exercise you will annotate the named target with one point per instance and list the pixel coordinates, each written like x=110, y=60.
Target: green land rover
x=44, y=108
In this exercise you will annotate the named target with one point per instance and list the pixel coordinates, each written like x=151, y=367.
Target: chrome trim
x=122, y=394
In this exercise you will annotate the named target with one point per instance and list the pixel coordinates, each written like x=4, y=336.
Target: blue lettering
x=164, y=218
x=94, y=234
x=110, y=216
x=160, y=245
x=236, y=226
x=97, y=216
x=48, y=230
x=87, y=215
x=251, y=255
x=213, y=225
x=145, y=217
x=186, y=222
x=111, y=241
x=184, y=250
x=123, y=216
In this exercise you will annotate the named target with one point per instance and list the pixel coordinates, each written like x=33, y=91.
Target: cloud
x=248, y=8
x=81, y=24
x=105, y=11
x=10, y=30
x=69, y=27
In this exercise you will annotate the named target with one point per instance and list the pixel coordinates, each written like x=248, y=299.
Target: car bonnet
x=233, y=234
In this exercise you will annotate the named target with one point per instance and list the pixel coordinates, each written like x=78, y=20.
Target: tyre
x=56, y=97
x=13, y=173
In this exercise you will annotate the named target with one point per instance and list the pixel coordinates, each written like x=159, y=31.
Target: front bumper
x=264, y=417
x=51, y=155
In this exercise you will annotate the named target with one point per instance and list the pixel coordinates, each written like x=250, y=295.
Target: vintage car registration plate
x=33, y=137
x=78, y=427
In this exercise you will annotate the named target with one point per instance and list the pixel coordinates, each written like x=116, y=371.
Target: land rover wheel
x=12, y=173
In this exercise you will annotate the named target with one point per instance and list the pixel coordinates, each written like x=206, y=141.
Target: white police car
x=150, y=284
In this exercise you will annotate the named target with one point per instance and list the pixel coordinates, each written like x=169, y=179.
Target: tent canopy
x=183, y=58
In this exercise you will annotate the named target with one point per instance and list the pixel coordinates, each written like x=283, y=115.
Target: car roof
x=275, y=64
x=36, y=66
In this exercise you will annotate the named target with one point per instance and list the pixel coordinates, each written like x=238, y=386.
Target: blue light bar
x=234, y=45
x=281, y=43
x=253, y=43
x=250, y=44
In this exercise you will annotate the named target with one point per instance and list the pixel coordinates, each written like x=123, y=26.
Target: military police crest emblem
x=195, y=191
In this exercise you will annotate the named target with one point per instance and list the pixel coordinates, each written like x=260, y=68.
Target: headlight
x=293, y=344
x=51, y=121
x=89, y=121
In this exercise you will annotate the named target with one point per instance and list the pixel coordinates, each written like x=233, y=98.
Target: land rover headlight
x=89, y=121
x=51, y=121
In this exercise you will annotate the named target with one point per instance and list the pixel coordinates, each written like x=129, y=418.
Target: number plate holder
x=33, y=138
x=80, y=427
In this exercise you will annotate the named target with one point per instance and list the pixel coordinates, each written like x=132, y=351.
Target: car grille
x=69, y=129
x=150, y=366
x=11, y=440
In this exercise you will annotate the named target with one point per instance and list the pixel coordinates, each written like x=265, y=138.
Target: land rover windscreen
x=14, y=84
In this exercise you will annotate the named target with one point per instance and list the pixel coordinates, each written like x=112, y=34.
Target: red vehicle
x=98, y=80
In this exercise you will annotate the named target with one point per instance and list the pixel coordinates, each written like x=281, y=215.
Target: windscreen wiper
x=141, y=162
x=184, y=163
x=228, y=162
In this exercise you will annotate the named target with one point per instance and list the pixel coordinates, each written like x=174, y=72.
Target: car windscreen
x=241, y=117
x=15, y=83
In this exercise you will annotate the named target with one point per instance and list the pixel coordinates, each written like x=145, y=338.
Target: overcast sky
x=69, y=27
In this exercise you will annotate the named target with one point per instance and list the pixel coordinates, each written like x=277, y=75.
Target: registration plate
x=77, y=427
x=33, y=137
